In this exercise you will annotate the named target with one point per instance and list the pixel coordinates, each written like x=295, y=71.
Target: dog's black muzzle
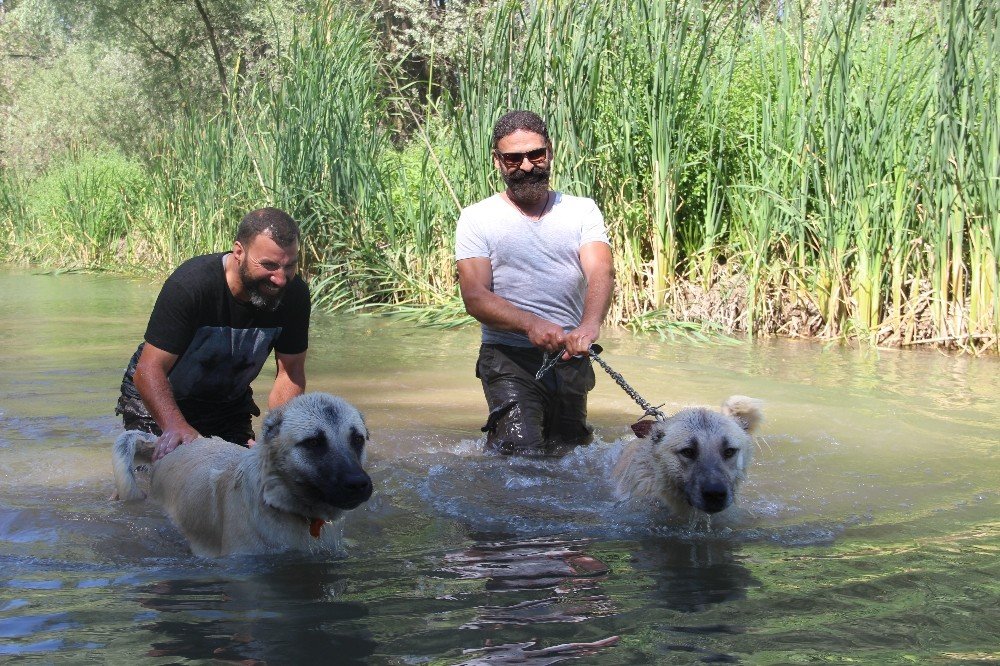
x=714, y=497
x=351, y=490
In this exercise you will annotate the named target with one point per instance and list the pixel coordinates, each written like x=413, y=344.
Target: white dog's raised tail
x=123, y=461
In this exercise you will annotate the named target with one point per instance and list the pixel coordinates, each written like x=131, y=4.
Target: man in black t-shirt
x=214, y=324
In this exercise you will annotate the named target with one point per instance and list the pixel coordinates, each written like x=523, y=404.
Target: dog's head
x=700, y=456
x=314, y=449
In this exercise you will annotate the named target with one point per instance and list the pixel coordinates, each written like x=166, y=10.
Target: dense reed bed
x=833, y=174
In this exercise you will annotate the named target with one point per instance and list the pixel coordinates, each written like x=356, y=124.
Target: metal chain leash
x=549, y=362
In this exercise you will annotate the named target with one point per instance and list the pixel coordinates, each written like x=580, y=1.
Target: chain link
x=548, y=362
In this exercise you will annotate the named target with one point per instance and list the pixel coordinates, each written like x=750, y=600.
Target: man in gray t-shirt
x=535, y=269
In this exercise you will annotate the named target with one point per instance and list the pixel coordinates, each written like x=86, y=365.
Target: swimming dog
x=694, y=461
x=304, y=471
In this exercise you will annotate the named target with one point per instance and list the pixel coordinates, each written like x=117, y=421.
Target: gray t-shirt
x=536, y=263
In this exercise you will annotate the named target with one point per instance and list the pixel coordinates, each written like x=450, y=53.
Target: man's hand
x=172, y=438
x=578, y=340
x=546, y=335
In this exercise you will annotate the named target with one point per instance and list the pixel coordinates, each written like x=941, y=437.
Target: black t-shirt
x=222, y=343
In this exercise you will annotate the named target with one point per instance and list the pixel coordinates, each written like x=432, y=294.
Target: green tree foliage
x=190, y=49
x=118, y=72
x=419, y=36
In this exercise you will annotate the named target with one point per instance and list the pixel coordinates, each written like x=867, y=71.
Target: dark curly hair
x=512, y=121
x=273, y=222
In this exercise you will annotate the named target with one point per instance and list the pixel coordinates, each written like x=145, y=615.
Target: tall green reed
x=13, y=214
x=768, y=199
x=963, y=221
x=72, y=214
x=681, y=39
x=984, y=308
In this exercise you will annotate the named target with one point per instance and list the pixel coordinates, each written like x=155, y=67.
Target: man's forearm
x=289, y=380
x=285, y=388
x=158, y=397
x=499, y=313
x=598, y=269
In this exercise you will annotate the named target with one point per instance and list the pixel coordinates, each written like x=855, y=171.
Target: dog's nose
x=358, y=485
x=715, y=497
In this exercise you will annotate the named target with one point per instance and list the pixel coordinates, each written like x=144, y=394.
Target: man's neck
x=233, y=278
x=532, y=209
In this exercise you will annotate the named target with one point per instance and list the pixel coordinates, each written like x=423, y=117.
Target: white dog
x=694, y=461
x=304, y=471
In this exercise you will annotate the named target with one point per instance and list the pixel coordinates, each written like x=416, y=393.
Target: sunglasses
x=511, y=160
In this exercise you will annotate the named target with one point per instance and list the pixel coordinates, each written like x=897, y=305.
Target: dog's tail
x=130, y=445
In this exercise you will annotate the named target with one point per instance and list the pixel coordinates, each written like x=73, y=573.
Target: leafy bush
x=87, y=197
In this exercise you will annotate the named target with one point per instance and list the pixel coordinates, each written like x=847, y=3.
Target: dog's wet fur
x=305, y=470
x=692, y=462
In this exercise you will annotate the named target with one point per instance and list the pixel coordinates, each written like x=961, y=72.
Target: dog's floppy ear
x=642, y=428
x=272, y=423
x=746, y=411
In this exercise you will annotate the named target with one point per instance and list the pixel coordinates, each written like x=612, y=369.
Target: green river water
x=873, y=533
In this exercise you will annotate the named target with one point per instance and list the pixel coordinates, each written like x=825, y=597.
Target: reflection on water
x=278, y=614
x=694, y=574
x=868, y=532
x=529, y=653
x=565, y=585
x=538, y=564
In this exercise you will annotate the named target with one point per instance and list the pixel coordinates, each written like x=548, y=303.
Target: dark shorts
x=140, y=419
x=528, y=415
x=229, y=424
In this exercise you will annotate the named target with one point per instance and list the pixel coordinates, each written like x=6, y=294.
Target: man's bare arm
x=475, y=276
x=151, y=381
x=290, y=380
x=598, y=268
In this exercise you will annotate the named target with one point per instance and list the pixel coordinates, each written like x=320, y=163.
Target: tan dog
x=304, y=471
x=693, y=461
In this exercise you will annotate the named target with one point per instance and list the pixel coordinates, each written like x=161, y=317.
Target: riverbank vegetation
x=830, y=171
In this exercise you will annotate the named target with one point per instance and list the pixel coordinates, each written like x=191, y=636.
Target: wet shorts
x=138, y=418
x=529, y=415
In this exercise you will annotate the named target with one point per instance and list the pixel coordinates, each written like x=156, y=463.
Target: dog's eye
x=313, y=442
x=357, y=441
x=688, y=452
x=729, y=452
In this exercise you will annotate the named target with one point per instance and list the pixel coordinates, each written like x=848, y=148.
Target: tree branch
x=173, y=57
x=210, y=29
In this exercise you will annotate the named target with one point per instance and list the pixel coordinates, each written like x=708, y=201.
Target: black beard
x=528, y=187
x=258, y=299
